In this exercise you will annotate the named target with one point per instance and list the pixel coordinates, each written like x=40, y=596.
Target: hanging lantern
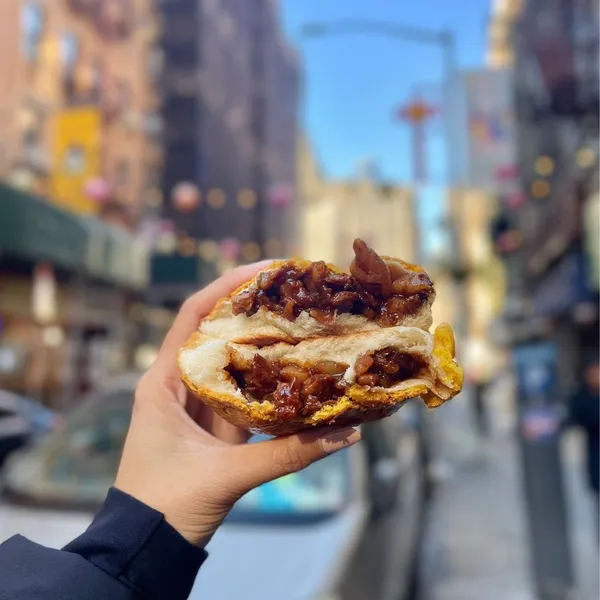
x=230, y=249
x=185, y=196
x=280, y=195
x=97, y=189
x=507, y=173
x=516, y=199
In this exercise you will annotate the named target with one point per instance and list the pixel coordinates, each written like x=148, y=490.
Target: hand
x=182, y=459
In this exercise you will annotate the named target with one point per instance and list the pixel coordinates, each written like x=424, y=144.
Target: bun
x=305, y=344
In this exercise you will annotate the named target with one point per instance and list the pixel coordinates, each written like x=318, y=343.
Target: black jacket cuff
x=133, y=543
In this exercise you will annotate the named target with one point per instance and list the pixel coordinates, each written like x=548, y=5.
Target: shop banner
x=540, y=413
x=491, y=130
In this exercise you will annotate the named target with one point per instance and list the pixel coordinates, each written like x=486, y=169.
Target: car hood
x=271, y=562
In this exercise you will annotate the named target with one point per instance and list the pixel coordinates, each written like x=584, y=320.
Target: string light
x=187, y=246
x=544, y=166
x=540, y=188
x=208, y=250
x=251, y=251
x=585, y=157
x=246, y=199
x=216, y=198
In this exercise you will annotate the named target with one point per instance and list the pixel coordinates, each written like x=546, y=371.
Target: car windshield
x=320, y=489
x=78, y=462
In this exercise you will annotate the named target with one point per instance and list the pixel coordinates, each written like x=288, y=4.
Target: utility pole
x=445, y=41
x=417, y=113
x=258, y=121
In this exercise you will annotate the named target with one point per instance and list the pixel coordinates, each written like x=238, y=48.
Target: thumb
x=265, y=461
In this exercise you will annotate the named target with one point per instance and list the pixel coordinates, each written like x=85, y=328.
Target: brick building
x=78, y=100
x=230, y=110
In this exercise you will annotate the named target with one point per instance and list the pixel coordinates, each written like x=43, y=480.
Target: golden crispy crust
x=358, y=405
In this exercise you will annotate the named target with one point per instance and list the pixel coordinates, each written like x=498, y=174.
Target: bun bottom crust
x=357, y=406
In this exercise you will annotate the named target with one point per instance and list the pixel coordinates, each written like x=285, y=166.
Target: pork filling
x=373, y=288
x=301, y=391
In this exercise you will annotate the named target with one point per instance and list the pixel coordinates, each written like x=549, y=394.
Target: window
x=32, y=25
x=69, y=50
x=323, y=487
x=74, y=161
x=122, y=172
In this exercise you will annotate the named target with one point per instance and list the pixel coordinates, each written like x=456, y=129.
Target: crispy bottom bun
x=213, y=370
x=276, y=306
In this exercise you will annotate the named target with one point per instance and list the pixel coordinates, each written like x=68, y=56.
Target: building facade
x=335, y=212
x=543, y=236
x=78, y=113
x=500, y=48
x=79, y=139
x=231, y=86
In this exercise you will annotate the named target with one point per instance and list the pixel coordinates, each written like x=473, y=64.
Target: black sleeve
x=129, y=551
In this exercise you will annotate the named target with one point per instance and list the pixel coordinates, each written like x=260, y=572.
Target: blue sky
x=354, y=82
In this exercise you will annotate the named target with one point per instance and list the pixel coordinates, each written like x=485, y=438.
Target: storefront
x=66, y=284
x=564, y=299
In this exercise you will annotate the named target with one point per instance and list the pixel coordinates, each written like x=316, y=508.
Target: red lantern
x=185, y=196
x=516, y=199
x=97, y=189
x=281, y=195
x=507, y=173
x=230, y=248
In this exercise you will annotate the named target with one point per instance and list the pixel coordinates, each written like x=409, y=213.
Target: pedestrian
x=181, y=471
x=584, y=412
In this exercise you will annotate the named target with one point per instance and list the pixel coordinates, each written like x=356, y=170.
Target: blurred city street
x=476, y=542
x=437, y=166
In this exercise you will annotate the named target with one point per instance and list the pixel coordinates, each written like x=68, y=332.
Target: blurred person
x=181, y=471
x=584, y=413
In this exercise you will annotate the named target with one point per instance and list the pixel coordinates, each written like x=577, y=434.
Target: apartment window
x=32, y=26
x=122, y=172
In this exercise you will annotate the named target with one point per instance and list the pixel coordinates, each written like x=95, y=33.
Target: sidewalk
x=476, y=546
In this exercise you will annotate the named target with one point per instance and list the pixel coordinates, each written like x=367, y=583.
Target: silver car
x=346, y=528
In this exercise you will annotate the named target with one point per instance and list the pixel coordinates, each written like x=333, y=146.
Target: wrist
x=195, y=526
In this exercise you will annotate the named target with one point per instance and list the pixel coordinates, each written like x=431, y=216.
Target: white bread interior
x=266, y=327
x=204, y=359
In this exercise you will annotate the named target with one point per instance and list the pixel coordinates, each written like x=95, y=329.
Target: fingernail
x=340, y=438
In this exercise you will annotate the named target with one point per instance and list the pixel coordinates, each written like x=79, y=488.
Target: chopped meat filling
x=386, y=367
x=373, y=288
x=295, y=390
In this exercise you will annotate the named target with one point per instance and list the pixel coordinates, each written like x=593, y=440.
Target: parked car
x=22, y=421
x=345, y=528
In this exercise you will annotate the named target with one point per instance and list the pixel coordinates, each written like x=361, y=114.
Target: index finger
x=196, y=307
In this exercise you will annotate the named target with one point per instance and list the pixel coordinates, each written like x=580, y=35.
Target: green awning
x=39, y=231
x=98, y=248
x=128, y=260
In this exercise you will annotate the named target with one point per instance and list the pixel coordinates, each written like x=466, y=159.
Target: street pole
x=258, y=108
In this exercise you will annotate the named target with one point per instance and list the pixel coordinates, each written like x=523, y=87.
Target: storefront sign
x=491, y=153
x=77, y=158
x=539, y=410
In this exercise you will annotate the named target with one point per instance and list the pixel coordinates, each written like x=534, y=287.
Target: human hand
x=183, y=460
